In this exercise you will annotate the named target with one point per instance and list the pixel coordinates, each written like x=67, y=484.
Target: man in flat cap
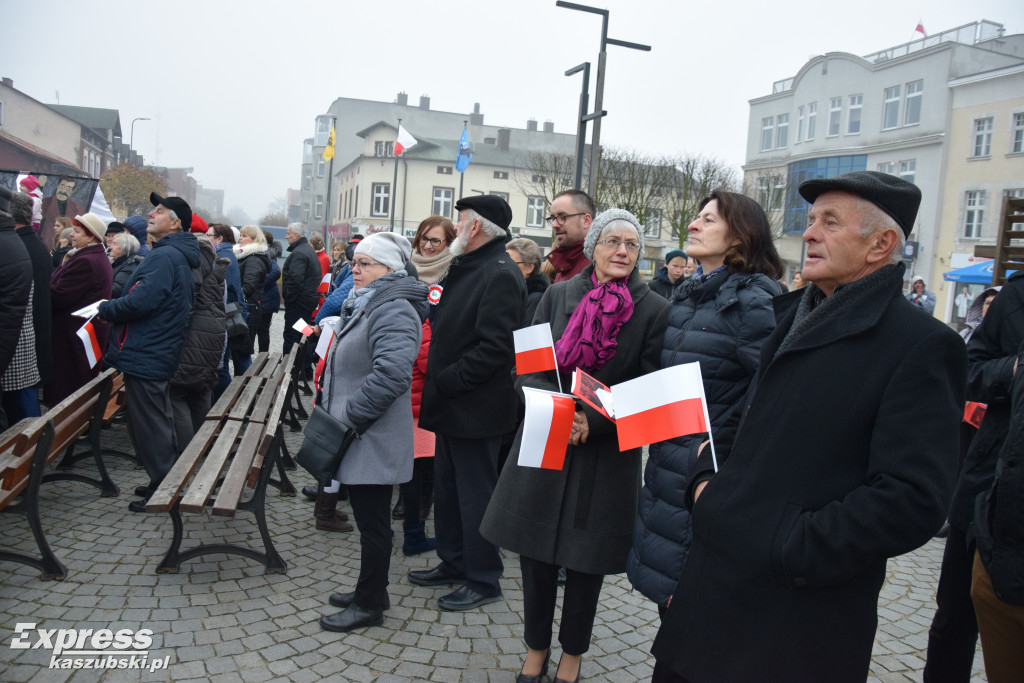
x=792, y=534
x=150, y=320
x=469, y=400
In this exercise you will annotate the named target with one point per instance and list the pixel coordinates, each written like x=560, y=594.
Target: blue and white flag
x=465, y=156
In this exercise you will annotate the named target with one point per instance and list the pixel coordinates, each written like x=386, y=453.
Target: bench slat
x=223, y=405
x=241, y=408
x=201, y=488
x=163, y=498
x=260, y=411
x=257, y=364
x=234, y=481
x=271, y=426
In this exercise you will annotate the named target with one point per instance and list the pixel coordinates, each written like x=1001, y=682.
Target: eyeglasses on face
x=432, y=241
x=561, y=218
x=362, y=264
x=614, y=243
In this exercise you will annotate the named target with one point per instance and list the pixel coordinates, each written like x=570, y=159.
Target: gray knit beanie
x=389, y=248
x=603, y=220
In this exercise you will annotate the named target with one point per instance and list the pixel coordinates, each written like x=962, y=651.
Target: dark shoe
x=433, y=577
x=539, y=678
x=147, y=490
x=310, y=491
x=561, y=576
x=345, y=599
x=352, y=617
x=562, y=680
x=465, y=598
x=943, y=532
x=398, y=512
x=137, y=505
x=416, y=541
x=335, y=523
x=327, y=516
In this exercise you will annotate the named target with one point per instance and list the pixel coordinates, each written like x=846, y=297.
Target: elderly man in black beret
x=468, y=398
x=792, y=534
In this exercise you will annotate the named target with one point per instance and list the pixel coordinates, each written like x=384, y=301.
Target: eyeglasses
x=614, y=243
x=432, y=241
x=561, y=218
x=363, y=265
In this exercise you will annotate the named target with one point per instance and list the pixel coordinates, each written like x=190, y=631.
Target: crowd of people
x=835, y=404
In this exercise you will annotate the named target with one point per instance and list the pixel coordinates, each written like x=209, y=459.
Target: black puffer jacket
x=721, y=323
x=661, y=284
x=254, y=265
x=123, y=267
x=536, y=285
x=301, y=277
x=204, y=342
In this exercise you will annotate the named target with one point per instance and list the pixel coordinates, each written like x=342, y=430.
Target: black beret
x=893, y=195
x=176, y=204
x=115, y=227
x=492, y=207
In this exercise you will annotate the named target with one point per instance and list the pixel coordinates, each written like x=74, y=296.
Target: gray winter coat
x=581, y=516
x=368, y=379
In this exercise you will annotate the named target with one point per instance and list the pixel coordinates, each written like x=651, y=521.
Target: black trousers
x=291, y=335
x=579, y=605
x=953, y=637
x=663, y=673
x=465, y=473
x=263, y=332
x=151, y=424
x=414, y=491
x=371, y=506
x=190, y=409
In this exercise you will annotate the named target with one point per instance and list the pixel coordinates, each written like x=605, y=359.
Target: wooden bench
x=236, y=447
x=27, y=448
x=114, y=412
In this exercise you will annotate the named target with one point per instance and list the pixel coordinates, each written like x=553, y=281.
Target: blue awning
x=975, y=274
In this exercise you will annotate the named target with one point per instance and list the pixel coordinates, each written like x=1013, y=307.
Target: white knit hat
x=389, y=248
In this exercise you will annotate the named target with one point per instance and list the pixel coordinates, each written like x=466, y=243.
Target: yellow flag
x=329, y=149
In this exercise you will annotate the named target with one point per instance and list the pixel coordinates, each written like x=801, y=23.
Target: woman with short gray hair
x=527, y=256
x=123, y=260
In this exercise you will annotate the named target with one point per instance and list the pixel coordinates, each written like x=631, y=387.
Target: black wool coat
x=301, y=277
x=468, y=392
x=845, y=457
x=581, y=516
x=42, y=269
x=16, y=265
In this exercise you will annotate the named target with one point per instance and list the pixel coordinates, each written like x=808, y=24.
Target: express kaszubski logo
x=86, y=648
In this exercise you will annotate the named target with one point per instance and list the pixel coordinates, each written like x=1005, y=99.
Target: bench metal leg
x=106, y=485
x=286, y=458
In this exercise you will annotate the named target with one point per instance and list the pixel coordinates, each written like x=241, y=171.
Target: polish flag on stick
x=662, y=405
x=404, y=141
x=546, y=429
x=302, y=327
x=535, y=350
x=325, y=284
x=87, y=333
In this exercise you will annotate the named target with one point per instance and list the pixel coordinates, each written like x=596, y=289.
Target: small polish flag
x=87, y=333
x=404, y=141
x=920, y=29
x=325, y=284
x=326, y=335
x=535, y=350
x=302, y=327
x=660, y=405
x=546, y=429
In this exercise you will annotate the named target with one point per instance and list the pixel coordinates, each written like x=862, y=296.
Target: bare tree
x=768, y=188
x=278, y=218
x=634, y=181
x=279, y=205
x=695, y=177
x=545, y=174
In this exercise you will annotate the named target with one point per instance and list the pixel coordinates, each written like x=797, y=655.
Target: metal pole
x=330, y=177
x=462, y=176
x=131, y=143
x=394, y=185
x=581, y=123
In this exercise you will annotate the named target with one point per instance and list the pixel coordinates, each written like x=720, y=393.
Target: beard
x=458, y=247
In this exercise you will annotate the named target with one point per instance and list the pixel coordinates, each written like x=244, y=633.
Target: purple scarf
x=590, y=339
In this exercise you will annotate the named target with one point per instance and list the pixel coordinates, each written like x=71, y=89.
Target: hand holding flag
x=93, y=352
x=546, y=429
x=302, y=327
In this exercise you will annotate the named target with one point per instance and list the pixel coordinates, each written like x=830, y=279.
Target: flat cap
x=492, y=207
x=893, y=195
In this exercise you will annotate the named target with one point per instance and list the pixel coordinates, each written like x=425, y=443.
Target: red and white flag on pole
x=660, y=405
x=535, y=350
x=920, y=29
x=546, y=429
x=93, y=352
x=302, y=327
x=325, y=284
x=404, y=141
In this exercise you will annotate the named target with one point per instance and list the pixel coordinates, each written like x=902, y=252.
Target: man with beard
x=572, y=212
x=59, y=205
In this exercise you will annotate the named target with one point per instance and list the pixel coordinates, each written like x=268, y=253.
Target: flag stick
x=394, y=186
x=707, y=421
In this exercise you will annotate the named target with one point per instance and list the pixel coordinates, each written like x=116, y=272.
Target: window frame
x=435, y=202
x=323, y=131
x=891, y=98
x=855, y=114
x=535, y=206
x=800, y=124
x=812, y=120
x=835, y=116
x=981, y=140
x=974, y=214
x=782, y=131
x=321, y=167
x=379, y=197
x=318, y=206
x=908, y=170
x=1017, y=133
x=913, y=102
x=767, y=132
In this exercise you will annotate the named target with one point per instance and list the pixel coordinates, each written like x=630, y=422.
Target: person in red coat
x=84, y=278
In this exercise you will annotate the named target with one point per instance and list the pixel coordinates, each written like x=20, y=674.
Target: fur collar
x=251, y=248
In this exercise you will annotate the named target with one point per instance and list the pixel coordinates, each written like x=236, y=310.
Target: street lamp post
x=131, y=143
x=599, y=95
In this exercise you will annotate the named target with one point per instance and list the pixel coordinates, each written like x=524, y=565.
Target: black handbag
x=324, y=443
x=235, y=320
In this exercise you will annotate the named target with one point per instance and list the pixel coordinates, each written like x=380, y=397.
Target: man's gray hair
x=21, y=208
x=295, y=228
x=490, y=228
x=129, y=245
x=873, y=219
x=174, y=217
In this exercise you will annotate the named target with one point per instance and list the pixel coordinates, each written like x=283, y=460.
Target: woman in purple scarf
x=607, y=322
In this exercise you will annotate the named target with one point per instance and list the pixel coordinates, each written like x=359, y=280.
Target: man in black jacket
x=469, y=400
x=16, y=266
x=792, y=535
x=300, y=278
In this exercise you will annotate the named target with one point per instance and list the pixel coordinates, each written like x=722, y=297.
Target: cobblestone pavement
x=222, y=619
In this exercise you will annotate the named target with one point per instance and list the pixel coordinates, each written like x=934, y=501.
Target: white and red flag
x=325, y=284
x=302, y=327
x=660, y=405
x=535, y=350
x=920, y=29
x=93, y=352
x=404, y=141
x=546, y=429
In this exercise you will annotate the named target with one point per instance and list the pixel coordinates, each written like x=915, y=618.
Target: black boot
x=416, y=540
x=398, y=512
x=310, y=491
x=327, y=516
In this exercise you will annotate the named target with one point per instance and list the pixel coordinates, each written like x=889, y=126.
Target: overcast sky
x=233, y=88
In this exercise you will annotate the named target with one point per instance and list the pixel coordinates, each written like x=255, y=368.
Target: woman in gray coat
x=367, y=380
x=607, y=322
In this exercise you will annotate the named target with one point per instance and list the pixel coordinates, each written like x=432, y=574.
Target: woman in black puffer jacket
x=527, y=256
x=253, y=266
x=719, y=317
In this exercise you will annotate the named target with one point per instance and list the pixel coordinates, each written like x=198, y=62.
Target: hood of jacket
x=185, y=242
x=136, y=225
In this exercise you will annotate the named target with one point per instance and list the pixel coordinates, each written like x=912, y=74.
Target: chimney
x=549, y=126
x=531, y=125
x=425, y=102
x=403, y=99
x=9, y=82
x=504, y=134
x=476, y=118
